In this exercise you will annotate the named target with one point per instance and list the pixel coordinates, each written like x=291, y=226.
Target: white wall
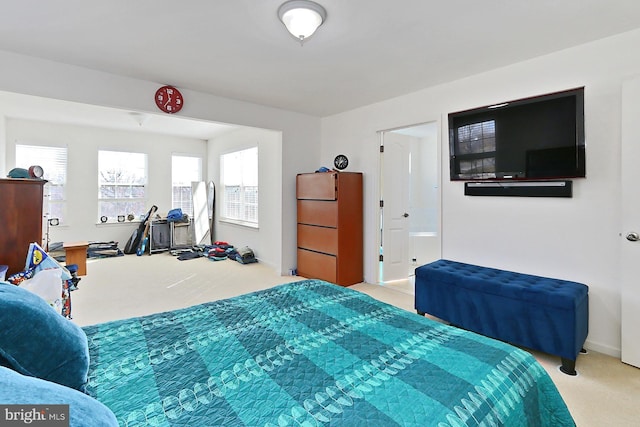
x=83, y=144
x=300, y=132
x=576, y=238
x=265, y=240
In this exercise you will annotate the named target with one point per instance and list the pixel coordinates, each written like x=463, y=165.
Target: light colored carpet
x=606, y=392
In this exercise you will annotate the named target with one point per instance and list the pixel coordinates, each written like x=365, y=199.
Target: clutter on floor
x=138, y=241
x=103, y=250
x=95, y=249
x=45, y=277
x=218, y=251
x=245, y=255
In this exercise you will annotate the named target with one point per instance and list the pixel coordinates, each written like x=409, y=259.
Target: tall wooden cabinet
x=330, y=226
x=20, y=220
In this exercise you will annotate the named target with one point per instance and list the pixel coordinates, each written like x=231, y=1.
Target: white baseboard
x=605, y=349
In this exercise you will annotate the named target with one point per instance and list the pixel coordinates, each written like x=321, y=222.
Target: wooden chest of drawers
x=21, y=218
x=330, y=230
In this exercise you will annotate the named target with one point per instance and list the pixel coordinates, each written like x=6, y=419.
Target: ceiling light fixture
x=140, y=118
x=302, y=18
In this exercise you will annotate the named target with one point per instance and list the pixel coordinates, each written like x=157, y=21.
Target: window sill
x=63, y=226
x=112, y=223
x=240, y=223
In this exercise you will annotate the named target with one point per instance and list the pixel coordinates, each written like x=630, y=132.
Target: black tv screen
x=527, y=139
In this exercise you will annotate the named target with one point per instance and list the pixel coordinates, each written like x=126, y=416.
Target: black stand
x=569, y=366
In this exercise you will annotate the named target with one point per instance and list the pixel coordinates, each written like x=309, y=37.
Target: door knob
x=405, y=215
x=633, y=236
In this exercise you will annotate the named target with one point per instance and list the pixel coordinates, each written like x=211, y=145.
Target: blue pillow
x=37, y=341
x=84, y=411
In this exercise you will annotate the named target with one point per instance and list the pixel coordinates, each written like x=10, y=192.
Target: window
x=54, y=163
x=240, y=186
x=122, y=179
x=184, y=171
x=477, y=148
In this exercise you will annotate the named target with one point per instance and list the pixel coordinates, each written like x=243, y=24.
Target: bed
x=310, y=353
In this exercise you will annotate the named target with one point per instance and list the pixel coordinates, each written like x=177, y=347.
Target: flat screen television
x=539, y=138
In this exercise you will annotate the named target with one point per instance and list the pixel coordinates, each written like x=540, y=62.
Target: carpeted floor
x=606, y=392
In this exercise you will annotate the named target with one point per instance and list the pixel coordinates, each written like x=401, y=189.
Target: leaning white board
x=200, y=212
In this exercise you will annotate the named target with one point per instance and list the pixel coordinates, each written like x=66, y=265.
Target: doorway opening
x=409, y=203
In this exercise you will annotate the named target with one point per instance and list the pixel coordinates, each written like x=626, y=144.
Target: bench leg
x=568, y=366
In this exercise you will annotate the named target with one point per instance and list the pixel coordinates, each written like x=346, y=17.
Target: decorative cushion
x=38, y=342
x=84, y=411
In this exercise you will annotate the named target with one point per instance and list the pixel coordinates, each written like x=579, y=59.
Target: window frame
x=476, y=150
x=52, y=184
x=243, y=220
x=142, y=199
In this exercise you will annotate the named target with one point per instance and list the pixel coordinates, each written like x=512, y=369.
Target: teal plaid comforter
x=311, y=353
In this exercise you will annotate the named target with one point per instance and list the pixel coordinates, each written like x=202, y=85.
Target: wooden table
x=76, y=253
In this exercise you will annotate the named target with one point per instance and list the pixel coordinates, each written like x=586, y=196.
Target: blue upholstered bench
x=540, y=313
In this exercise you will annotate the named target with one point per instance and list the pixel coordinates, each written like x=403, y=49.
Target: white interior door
x=630, y=232
x=395, y=222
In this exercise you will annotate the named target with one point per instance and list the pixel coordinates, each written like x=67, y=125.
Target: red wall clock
x=169, y=99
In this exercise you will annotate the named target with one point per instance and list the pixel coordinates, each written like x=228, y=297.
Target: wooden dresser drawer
x=316, y=186
x=319, y=239
x=318, y=212
x=314, y=265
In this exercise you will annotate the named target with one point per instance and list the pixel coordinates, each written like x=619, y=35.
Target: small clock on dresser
x=36, y=171
x=341, y=162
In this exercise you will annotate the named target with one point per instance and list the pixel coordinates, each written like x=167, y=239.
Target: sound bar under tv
x=520, y=189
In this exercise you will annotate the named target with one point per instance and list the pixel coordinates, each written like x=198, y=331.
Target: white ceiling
x=366, y=51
